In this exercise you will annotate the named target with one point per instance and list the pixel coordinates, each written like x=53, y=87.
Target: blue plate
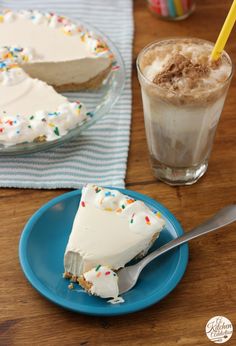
x=42, y=247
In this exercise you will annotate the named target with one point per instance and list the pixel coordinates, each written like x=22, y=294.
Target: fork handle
x=222, y=218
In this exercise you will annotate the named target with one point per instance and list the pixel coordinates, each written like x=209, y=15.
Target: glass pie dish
x=98, y=102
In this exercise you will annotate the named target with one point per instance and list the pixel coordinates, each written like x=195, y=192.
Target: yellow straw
x=225, y=32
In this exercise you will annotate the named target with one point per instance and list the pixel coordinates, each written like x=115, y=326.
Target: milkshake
x=183, y=94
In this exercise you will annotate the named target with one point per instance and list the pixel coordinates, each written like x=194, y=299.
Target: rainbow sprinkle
x=56, y=131
x=132, y=218
x=148, y=222
x=90, y=114
x=108, y=209
x=115, y=68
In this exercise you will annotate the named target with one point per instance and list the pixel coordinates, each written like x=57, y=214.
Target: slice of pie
x=109, y=229
x=41, y=52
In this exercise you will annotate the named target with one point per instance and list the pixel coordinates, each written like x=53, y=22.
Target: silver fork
x=128, y=276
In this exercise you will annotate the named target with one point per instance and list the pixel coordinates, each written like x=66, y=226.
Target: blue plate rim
x=114, y=310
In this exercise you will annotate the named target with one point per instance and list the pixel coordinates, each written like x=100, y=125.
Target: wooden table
x=209, y=285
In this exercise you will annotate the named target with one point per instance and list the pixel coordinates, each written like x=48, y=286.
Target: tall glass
x=180, y=130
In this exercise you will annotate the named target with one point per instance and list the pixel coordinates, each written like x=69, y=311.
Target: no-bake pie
x=39, y=54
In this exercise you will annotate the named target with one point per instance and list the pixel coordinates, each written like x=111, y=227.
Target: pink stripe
x=164, y=8
x=155, y=3
x=155, y=6
x=185, y=5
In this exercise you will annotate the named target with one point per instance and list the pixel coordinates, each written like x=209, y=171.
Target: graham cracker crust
x=85, y=284
x=144, y=252
x=92, y=84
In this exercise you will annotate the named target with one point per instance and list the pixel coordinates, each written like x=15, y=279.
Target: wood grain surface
x=209, y=285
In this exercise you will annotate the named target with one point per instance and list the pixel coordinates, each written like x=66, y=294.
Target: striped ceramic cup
x=172, y=9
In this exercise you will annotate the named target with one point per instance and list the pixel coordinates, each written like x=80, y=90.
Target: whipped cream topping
x=104, y=283
x=110, y=229
x=141, y=218
x=41, y=125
